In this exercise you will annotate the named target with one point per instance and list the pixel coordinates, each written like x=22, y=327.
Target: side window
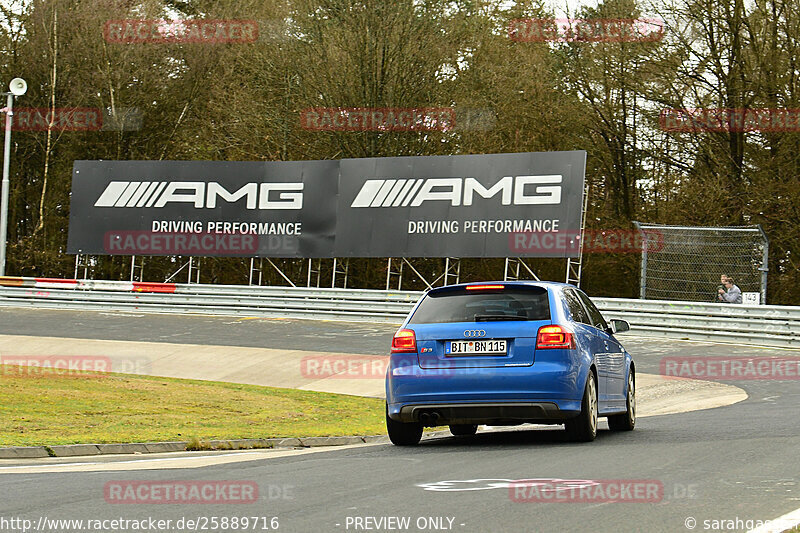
x=595, y=316
x=576, y=310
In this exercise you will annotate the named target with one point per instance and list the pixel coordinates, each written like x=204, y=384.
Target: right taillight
x=554, y=337
x=404, y=341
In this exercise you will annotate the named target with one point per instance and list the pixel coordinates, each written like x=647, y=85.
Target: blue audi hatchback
x=508, y=353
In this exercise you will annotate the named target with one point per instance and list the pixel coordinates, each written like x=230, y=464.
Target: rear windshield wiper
x=488, y=318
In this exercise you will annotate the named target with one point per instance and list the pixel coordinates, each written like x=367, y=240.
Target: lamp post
x=17, y=87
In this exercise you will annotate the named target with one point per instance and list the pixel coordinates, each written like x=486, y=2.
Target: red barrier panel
x=56, y=280
x=140, y=286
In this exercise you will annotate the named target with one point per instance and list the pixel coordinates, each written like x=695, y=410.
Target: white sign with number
x=751, y=298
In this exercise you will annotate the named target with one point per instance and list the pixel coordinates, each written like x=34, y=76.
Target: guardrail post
x=643, y=271
x=764, y=268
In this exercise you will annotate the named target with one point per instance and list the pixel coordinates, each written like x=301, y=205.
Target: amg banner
x=498, y=205
x=203, y=208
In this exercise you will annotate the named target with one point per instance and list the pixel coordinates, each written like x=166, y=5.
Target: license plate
x=492, y=347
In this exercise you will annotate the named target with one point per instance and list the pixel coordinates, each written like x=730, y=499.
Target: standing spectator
x=731, y=294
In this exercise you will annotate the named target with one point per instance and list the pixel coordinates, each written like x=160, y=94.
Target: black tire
x=626, y=421
x=403, y=433
x=463, y=430
x=583, y=428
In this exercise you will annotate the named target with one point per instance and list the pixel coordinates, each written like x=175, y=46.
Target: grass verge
x=46, y=407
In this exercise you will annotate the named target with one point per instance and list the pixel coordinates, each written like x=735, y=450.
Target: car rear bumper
x=551, y=379
x=498, y=413
x=549, y=391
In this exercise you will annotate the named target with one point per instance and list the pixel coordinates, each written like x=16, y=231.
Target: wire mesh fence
x=685, y=262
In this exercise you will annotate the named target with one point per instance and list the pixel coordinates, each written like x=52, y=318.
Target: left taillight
x=404, y=341
x=554, y=336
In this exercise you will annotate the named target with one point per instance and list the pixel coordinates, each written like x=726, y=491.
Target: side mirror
x=619, y=326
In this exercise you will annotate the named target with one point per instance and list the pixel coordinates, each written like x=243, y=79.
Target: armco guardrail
x=241, y=300
x=760, y=325
x=768, y=325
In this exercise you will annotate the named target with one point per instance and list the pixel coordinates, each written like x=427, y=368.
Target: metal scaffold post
x=575, y=265
x=312, y=271
x=515, y=268
x=342, y=268
x=137, y=265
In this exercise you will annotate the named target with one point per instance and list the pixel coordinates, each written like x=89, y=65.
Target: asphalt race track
x=720, y=469
x=354, y=337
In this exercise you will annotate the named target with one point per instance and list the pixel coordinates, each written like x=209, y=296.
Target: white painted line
x=623, y=336
x=786, y=522
x=139, y=461
x=167, y=463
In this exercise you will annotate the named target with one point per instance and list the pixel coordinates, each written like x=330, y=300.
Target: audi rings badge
x=474, y=333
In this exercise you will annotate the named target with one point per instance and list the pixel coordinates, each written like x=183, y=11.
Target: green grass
x=46, y=408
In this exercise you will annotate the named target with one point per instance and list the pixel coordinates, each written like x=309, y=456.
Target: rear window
x=461, y=306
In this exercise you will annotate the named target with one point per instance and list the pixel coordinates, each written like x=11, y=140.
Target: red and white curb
x=86, y=284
